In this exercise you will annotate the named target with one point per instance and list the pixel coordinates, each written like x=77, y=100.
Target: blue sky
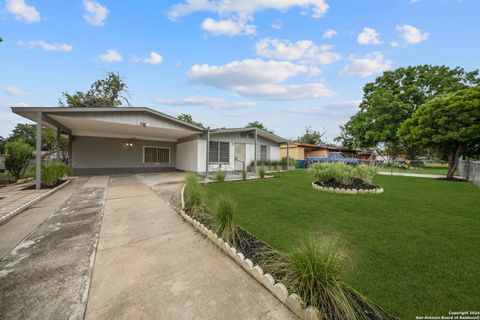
x=290, y=64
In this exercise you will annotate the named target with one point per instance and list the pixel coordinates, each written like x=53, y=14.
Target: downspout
x=38, y=153
x=255, y=153
x=208, y=153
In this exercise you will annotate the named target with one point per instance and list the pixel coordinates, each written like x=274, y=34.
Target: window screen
x=219, y=152
x=263, y=153
x=156, y=155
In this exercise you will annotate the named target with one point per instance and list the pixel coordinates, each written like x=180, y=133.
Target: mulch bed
x=357, y=184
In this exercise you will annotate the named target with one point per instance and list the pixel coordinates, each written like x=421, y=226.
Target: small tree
x=311, y=136
x=17, y=157
x=257, y=124
x=449, y=123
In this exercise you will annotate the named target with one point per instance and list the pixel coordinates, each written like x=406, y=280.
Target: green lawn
x=415, y=249
x=424, y=170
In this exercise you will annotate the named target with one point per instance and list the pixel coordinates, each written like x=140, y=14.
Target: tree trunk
x=453, y=156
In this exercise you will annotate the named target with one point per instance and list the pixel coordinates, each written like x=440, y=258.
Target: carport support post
x=255, y=153
x=208, y=153
x=38, y=153
x=288, y=155
x=57, y=156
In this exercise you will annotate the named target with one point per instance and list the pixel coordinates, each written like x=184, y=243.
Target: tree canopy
x=448, y=123
x=311, y=136
x=188, y=118
x=103, y=93
x=257, y=124
x=393, y=97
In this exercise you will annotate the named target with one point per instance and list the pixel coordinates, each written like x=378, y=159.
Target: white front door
x=240, y=156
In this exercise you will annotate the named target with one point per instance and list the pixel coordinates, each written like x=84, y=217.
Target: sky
x=286, y=63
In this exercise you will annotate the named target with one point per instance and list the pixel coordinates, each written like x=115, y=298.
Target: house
x=301, y=151
x=129, y=140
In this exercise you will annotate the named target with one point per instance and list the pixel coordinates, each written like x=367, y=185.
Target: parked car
x=332, y=157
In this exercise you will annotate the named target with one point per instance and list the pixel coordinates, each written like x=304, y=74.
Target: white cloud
x=343, y=109
x=363, y=67
x=369, y=36
x=330, y=33
x=260, y=79
x=111, y=56
x=394, y=44
x=154, y=58
x=277, y=24
x=304, y=51
x=411, y=34
x=12, y=90
x=22, y=11
x=96, y=13
x=212, y=102
x=230, y=27
x=317, y=8
x=45, y=46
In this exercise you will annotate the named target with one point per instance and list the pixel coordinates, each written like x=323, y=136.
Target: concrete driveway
x=150, y=264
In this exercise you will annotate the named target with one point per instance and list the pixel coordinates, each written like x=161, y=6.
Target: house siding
x=95, y=155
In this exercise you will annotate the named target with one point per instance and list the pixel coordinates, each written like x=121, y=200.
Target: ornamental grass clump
x=223, y=224
x=53, y=172
x=314, y=271
x=364, y=172
x=261, y=171
x=220, y=176
x=337, y=172
x=194, y=196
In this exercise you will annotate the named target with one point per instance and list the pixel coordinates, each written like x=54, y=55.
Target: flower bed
x=357, y=186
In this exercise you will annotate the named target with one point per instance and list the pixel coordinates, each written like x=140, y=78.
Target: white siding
x=274, y=153
x=250, y=153
x=187, y=156
x=201, y=155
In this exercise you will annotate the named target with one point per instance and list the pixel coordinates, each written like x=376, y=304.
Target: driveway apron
x=150, y=264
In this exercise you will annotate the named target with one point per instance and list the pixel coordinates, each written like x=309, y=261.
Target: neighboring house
x=301, y=151
x=128, y=140
x=2, y=163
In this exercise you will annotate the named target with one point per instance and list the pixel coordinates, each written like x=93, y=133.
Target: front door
x=240, y=156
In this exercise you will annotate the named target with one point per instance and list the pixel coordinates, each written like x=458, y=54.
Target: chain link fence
x=470, y=170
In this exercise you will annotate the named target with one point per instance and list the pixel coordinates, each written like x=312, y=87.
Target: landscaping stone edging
x=293, y=301
x=30, y=203
x=348, y=191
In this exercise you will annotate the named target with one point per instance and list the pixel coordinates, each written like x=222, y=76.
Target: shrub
x=53, y=172
x=338, y=172
x=244, y=174
x=275, y=165
x=364, y=172
x=223, y=223
x=17, y=157
x=5, y=178
x=194, y=196
x=220, y=176
x=283, y=161
x=267, y=163
x=261, y=171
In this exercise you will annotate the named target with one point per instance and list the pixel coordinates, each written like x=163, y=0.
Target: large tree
x=448, y=123
x=103, y=93
x=393, y=97
x=311, y=136
x=257, y=124
x=188, y=119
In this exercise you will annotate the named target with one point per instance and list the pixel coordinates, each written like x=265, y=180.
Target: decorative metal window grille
x=219, y=152
x=156, y=155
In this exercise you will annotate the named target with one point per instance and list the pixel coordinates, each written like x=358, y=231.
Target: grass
x=414, y=248
x=424, y=170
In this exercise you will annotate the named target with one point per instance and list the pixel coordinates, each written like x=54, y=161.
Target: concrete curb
x=27, y=205
x=293, y=302
x=347, y=191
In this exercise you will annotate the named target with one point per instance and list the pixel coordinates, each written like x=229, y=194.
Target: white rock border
x=348, y=191
x=30, y=203
x=278, y=289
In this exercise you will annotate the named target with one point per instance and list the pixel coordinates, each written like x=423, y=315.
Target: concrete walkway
x=13, y=197
x=418, y=175
x=150, y=264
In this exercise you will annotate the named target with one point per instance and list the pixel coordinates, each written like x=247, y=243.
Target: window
x=263, y=153
x=156, y=155
x=219, y=152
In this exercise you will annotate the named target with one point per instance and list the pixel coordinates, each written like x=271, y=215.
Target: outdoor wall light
x=129, y=143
